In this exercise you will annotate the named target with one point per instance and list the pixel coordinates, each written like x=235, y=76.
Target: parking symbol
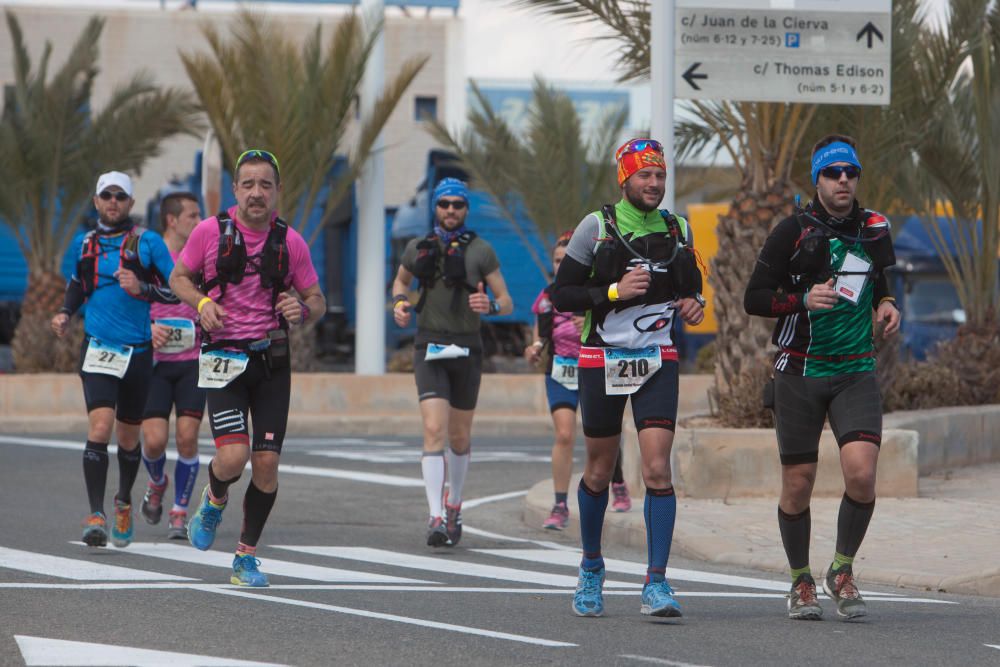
x=791, y=40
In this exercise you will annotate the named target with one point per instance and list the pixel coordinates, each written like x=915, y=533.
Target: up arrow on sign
x=871, y=31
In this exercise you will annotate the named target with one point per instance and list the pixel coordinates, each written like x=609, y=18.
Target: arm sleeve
x=881, y=289
x=73, y=298
x=763, y=296
x=161, y=266
x=570, y=293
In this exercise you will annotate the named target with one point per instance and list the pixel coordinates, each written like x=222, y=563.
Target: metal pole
x=662, y=86
x=369, y=329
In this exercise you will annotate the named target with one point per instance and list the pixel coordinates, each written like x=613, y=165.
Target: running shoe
x=152, y=503
x=802, y=602
x=658, y=600
x=622, y=502
x=589, y=598
x=437, y=532
x=839, y=585
x=95, y=530
x=453, y=523
x=121, y=532
x=204, y=521
x=177, y=525
x=558, y=519
x=245, y=572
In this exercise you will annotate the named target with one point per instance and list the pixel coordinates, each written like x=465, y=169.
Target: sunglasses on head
x=458, y=205
x=836, y=172
x=639, y=145
x=117, y=196
x=257, y=153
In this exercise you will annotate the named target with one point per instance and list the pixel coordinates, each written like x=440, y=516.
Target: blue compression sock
x=185, y=474
x=660, y=510
x=155, y=467
x=592, y=508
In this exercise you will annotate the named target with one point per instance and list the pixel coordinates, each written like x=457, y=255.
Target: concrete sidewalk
x=945, y=540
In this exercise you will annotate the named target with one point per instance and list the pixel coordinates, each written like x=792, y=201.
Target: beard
x=635, y=197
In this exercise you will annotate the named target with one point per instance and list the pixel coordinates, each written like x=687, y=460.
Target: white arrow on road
x=58, y=652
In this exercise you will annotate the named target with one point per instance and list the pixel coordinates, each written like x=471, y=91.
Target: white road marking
x=76, y=569
x=448, y=565
x=44, y=651
x=525, y=639
x=659, y=661
x=271, y=566
x=476, y=502
x=414, y=454
x=996, y=646
x=466, y=528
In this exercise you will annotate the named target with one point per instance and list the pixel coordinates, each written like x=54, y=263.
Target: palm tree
x=552, y=172
x=54, y=146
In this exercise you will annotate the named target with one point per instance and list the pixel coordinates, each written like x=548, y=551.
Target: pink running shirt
x=565, y=336
x=249, y=315
x=182, y=311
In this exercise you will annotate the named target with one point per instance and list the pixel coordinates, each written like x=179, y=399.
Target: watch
x=700, y=299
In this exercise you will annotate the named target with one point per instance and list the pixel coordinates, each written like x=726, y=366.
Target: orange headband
x=631, y=161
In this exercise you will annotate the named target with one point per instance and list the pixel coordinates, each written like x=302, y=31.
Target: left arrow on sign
x=44, y=651
x=870, y=31
x=690, y=76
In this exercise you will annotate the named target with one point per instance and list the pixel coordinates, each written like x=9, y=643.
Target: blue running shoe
x=121, y=529
x=204, y=521
x=589, y=599
x=658, y=600
x=245, y=572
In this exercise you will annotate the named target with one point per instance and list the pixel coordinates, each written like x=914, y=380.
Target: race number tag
x=625, y=370
x=220, y=367
x=180, y=335
x=564, y=372
x=850, y=286
x=107, y=358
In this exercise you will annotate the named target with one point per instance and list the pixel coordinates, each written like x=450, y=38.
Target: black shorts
x=264, y=395
x=852, y=402
x=174, y=385
x=456, y=380
x=126, y=394
x=654, y=404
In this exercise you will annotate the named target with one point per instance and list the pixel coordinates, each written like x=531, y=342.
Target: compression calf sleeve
x=852, y=524
x=95, y=473
x=155, y=467
x=185, y=474
x=128, y=470
x=795, y=529
x=256, y=508
x=593, y=505
x=458, y=467
x=660, y=512
x=432, y=467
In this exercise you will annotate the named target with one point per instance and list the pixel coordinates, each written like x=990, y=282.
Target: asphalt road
x=354, y=584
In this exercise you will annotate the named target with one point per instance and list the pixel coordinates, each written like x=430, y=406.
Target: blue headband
x=838, y=151
x=450, y=187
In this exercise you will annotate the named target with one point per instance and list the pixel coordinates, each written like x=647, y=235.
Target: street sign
x=814, y=51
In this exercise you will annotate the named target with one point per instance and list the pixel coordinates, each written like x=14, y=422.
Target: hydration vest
x=432, y=265
x=811, y=258
x=88, y=264
x=232, y=263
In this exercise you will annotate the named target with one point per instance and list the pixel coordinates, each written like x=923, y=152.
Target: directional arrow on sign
x=870, y=31
x=690, y=76
x=43, y=651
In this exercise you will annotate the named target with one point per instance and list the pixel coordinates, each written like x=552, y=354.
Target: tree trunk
x=35, y=348
x=742, y=353
x=305, y=348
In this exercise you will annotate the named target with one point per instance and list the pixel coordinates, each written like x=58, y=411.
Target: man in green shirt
x=454, y=267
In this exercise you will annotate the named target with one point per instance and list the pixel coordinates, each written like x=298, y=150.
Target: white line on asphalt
x=186, y=554
x=387, y=617
x=996, y=646
x=659, y=661
x=476, y=502
x=76, y=569
x=449, y=565
x=497, y=536
x=58, y=652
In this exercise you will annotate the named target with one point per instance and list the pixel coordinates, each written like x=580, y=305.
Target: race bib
x=220, y=367
x=850, y=286
x=180, y=335
x=625, y=370
x=564, y=372
x=437, y=351
x=107, y=358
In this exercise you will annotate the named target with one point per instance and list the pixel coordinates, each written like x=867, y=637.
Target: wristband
x=305, y=310
x=887, y=298
x=539, y=344
x=613, y=292
x=201, y=304
x=494, y=307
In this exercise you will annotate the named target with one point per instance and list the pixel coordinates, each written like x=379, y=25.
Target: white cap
x=114, y=178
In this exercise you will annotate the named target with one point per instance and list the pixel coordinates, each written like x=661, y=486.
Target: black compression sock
x=219, y=488
x=256, y=508
x=852, y=524
x=95, y=473
x=128, y=469
x=795, y=530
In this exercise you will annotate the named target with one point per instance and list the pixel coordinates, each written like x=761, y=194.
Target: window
x=425, y=108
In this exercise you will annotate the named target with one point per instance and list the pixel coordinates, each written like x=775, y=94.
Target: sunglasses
x=835, y=173
x=117, y=196
x=637, y=146
x=445, y=204
x=259, y=154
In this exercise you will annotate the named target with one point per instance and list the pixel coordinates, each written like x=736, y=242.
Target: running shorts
x=174, y=385
x=456, y=380
x=654, y=404
x=257, y=395
x=559, y=396
x=126, y=394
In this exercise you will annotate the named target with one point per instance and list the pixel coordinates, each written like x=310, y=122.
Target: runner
x=121, y=268
x=174, y=385
x=820, y=273
x=631, y=268
x=454, y=266
x=249, y=258
x=561, y=334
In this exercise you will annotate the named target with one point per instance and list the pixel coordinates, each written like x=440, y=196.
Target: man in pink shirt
x=248, y=259
x=174, y=385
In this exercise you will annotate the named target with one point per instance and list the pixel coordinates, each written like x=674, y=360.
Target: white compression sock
x=458, y=466
x=432, y=467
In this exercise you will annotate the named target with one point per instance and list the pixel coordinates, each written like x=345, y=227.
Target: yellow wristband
x=201, y=304
x=613, y=292
x=886, y=298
